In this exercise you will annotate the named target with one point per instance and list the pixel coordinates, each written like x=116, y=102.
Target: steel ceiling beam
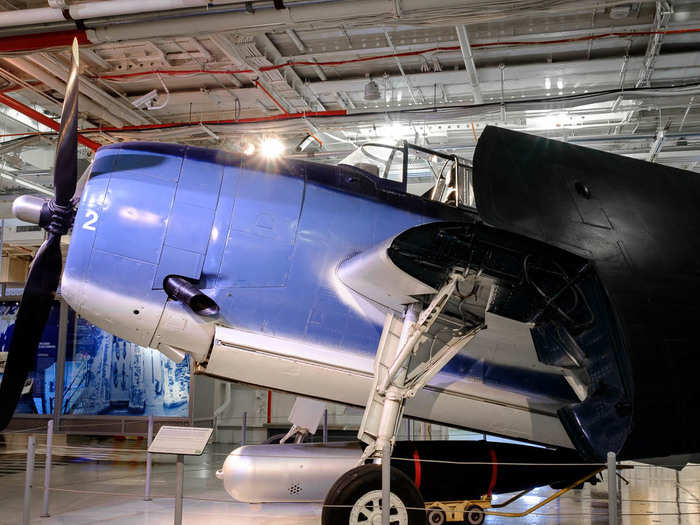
x=469, y=63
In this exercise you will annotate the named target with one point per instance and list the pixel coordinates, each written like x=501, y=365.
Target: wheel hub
x=367, y=510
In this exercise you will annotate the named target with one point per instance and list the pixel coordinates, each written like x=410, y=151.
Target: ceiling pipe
x=36, y=41
x=87, y=10
x=52, y=82
x=261, y=19
x=43, y=119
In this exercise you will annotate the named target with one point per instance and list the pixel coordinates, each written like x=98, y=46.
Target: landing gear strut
x=401, y=369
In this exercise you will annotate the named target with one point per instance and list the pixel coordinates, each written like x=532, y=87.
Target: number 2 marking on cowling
x=91, y=219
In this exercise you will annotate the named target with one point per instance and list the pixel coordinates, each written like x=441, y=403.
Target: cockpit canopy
x=420, y=171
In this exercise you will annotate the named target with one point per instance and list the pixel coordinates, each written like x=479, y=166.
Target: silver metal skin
x=27, y=208
x=286, y=473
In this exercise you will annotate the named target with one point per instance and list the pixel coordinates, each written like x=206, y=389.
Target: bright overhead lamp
x=249, y=149
x=271, y=148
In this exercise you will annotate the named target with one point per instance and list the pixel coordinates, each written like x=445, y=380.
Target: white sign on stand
x=181, y=441
x=188, y=441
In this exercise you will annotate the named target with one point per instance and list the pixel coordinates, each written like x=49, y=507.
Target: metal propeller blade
x=45, y=272
x=65, y=173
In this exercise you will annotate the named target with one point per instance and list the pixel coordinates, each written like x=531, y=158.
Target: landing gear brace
x=399, y=373
x=393, y=383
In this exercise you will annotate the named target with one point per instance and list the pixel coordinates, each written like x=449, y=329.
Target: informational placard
x=188, y=441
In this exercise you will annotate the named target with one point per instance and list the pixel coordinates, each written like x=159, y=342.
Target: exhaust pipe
x=180, y=289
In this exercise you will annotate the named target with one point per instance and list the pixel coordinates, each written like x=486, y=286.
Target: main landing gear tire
x=356, y=499
x=474, y=515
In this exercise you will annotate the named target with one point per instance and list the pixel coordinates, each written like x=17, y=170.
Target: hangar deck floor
x=90, y=492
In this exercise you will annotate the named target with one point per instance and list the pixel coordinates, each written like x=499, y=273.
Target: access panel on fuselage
x=263, y=229
x=189, y=225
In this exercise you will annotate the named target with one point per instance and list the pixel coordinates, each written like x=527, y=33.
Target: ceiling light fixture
x=372, y=90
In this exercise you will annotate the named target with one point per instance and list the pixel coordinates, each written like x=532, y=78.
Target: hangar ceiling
x=620, y=76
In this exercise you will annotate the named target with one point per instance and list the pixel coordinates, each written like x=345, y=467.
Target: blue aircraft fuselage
x=262, y=238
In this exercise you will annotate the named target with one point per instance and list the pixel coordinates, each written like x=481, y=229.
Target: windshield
x=430, y=174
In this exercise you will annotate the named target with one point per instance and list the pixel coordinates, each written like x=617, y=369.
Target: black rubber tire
x=474, y=515
x=356, y=482
x=436, y=516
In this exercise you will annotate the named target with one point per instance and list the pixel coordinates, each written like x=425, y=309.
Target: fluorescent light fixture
x=560, y=84
x=394, y=131
x=271, y=148
x=27, y=184
x=305, y=142
x=23, y=119
x=146, y=101
x=547, y=83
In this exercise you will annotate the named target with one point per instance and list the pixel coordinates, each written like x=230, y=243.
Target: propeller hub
x=29, y=208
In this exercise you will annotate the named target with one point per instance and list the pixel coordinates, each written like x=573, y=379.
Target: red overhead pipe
x=194, y=123
x=166, y=125
x=42, y=41
x=40, y=117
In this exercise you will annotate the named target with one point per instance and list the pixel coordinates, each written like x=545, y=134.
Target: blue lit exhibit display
x=105, y=374
x=39, y=392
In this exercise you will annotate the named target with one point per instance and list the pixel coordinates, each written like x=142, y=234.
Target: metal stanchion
x=147, y=495
x=31, y=450
x=244, y=428
x=386, y=484
x=179, y=487
x=619, y=495
x=325, y=425
x=612, y=489
x=47, y=469
x=408, y=429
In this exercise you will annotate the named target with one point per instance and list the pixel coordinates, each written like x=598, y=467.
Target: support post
x=47, y=469
x=29, y=473
x=179, y=484
x=149, y=459
x=408, y=429
x=612, y=489
x=244, y=428
x=386, y=484
x=325, y=425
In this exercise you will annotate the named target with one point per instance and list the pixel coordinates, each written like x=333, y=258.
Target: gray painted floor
x=92, y=490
